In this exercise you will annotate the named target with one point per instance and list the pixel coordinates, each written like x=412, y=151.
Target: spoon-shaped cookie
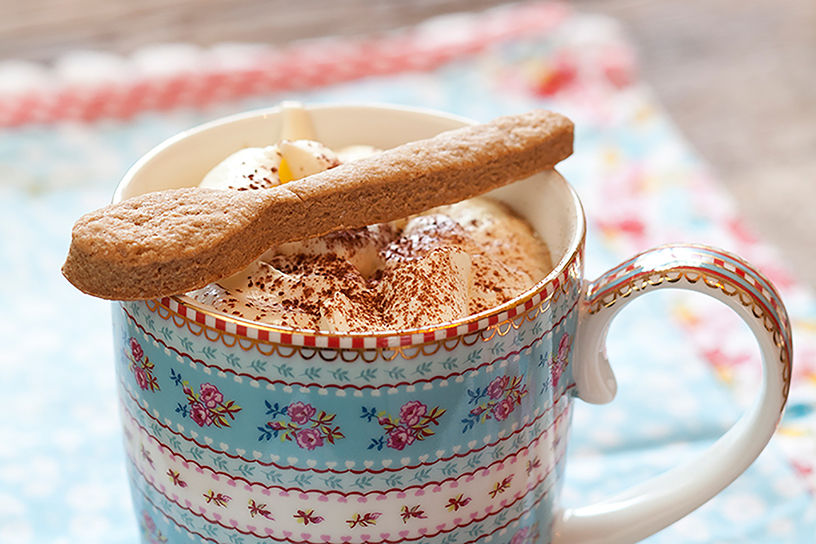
x=174, y=241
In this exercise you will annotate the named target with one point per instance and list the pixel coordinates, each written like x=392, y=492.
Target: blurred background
x=737, y=76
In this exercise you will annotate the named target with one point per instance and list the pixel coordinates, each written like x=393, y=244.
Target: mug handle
x=656, y=503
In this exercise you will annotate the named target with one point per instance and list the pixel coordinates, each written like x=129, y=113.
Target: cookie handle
x=656, y=503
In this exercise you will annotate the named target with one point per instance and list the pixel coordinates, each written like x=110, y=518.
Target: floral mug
x=451, y=434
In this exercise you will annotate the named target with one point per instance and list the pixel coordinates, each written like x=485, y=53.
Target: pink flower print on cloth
x=496, y=401
x=207, y=406
x=142, y=368
x=413, y=423
x=302, y=424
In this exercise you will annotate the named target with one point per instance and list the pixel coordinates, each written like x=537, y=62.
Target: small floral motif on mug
x=496, y=401
x=150, y=532
x=218, y=499
x=559, y=361
x=306, y=517
x=140, y=365
x=363, y=520
x=413, y=424
x=526, y=535
x=533, y=464
x=501, y=487
x=175, y=478
x=146, y=457
x=207, y=406
x=457, y=502
x=256, y=509
x=412, y=512
x=301, y=423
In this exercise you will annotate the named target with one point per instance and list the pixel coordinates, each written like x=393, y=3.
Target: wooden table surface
x=738, y=76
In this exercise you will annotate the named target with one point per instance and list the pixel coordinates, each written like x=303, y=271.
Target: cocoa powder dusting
x=430, y=269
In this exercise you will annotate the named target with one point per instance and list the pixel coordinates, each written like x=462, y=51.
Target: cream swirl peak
x=295, y=156
x=435, y=267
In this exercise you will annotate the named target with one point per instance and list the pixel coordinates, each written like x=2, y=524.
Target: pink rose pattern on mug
x=305, y=426
x=452, y=440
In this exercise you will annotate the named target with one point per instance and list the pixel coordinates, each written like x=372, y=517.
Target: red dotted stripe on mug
x=749, y=274
x=362, y=340
x=304, y=65
x=712, y=256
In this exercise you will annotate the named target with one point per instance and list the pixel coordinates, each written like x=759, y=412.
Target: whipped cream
x=432, y=268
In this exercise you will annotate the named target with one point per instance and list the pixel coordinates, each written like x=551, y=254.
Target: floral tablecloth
x=686, y=367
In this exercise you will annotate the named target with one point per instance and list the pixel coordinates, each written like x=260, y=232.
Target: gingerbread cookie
x=170, y=242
